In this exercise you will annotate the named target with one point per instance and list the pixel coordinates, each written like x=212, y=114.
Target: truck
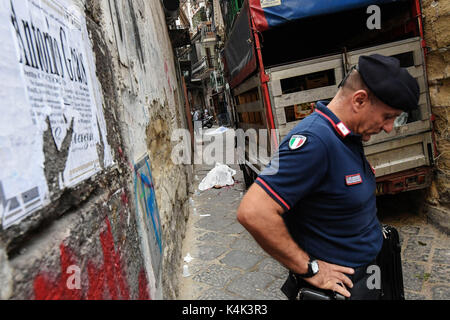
x=281, y=57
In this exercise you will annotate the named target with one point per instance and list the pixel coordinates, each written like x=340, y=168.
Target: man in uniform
x=314, y=207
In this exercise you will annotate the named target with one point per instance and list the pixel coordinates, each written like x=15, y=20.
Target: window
x=298, y=111
x=308, y=81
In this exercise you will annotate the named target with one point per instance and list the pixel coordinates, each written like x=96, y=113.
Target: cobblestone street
x=229, y=264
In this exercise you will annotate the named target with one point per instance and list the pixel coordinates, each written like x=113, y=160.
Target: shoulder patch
x=296, y=141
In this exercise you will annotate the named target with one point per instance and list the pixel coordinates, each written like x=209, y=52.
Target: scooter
x=207, y=122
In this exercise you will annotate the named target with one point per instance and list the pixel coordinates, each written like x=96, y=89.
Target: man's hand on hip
x=332, y=277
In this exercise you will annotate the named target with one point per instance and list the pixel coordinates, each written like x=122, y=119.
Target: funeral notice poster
x=48, y=82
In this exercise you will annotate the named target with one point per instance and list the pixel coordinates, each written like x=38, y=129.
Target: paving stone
x=413, y=296
x=274, y=268
x=418, y=248
x=216, y=239
x=217, y=294
x=234, y=228
x=241, y=259
x=441, y=292
x=413, y=276
x=195, y=266
x=441, y=256
x=409, y=230
x=251, y=285
x=213, y=223
x=216, y=275
x=444, y=241
x=440, y=273
x=427, y=230
x=249, y=245
x=273, y=291
x=209, y=252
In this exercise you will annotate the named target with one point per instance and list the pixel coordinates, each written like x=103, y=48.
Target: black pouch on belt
x=291, y=287
x=295, y=288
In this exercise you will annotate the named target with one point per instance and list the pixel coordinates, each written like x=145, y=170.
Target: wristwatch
x=313, y=269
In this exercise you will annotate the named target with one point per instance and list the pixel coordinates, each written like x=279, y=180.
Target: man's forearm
x=261, y=216
x=267, y=227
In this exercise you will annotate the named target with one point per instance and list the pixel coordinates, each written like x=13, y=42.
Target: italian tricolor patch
x=296, y=141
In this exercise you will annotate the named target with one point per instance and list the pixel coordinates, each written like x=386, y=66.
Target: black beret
x=389, y=82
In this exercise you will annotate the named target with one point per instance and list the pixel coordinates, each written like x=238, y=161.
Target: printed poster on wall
x=47, y=83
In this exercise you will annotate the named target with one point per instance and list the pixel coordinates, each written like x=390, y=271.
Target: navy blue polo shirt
x=322, y=179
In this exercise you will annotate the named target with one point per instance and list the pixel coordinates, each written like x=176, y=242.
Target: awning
x=271, y=13
x=239, y=52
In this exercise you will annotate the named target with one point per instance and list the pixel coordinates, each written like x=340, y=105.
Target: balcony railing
x=207, y=33
x=203, y=65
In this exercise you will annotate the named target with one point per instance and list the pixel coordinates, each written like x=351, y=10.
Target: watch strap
x=310, y=273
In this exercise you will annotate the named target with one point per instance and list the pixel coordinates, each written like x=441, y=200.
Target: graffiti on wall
x=104, y=281
x=146, y=205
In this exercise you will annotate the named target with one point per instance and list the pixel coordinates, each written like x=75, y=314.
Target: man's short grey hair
x=354, y=82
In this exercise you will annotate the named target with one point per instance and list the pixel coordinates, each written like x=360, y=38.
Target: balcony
x=202, y=68
x=207, y=34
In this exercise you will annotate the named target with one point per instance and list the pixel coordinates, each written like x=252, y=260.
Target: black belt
x=360, y=290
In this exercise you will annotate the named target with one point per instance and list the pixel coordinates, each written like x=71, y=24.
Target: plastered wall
x=116, y=233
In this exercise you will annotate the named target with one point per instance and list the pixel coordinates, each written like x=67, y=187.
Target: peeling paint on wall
x=105, y=281
x=49, y=69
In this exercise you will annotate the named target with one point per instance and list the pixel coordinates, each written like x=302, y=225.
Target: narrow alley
x=227, y=263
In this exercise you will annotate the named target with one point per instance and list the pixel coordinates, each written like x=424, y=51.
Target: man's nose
x=387, y=127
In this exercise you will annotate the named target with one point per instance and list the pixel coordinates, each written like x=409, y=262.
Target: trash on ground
x=188, y=258
x=219, y=176
x=186, y=271
x=217, y=131
x=205, y=215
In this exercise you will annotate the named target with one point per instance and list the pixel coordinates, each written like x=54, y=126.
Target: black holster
x=295, y=288
x=291, y=287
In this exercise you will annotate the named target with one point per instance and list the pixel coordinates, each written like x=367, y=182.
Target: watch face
x=315, y=266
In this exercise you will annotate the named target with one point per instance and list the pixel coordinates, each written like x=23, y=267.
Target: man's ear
x=360, y=100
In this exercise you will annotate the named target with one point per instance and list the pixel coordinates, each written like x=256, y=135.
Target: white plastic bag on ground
x=217, y=131
x=219, y=176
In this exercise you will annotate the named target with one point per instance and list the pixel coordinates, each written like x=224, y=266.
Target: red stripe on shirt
x=273, y=192
x=332, y=123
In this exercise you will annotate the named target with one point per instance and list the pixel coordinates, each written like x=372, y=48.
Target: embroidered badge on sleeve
x=296, y=141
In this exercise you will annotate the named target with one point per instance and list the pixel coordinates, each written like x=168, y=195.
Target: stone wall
x=436, y=19
x=106, y=238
